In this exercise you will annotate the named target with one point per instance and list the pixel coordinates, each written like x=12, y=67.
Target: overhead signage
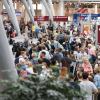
x=85, y=17
x=18, y=13
x=89, y=16
x=95, y=16
x=76, y=18
x=98, y=34
x=55, y=18
x=41, y=18
x=60, y=18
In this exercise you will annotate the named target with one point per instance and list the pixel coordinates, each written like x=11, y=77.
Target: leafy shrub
x=34, y=88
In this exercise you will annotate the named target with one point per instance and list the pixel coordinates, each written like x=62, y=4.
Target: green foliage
x=36, y=89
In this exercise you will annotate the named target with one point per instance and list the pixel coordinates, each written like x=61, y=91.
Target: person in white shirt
x=56, y=44
x=22, y=58
x=47, y=54
x=46, y=70
x=78, y=54
x=83, y=52
x=87, y=87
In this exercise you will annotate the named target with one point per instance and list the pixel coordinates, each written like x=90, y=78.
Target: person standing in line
x=33, y=30
x=86, y=65
x=87, y=87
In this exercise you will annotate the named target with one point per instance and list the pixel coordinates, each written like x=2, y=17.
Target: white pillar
x=51, y=7
x=43, y=11
x=31, y=7
x=96, y=9
x=47, y=9
x=56, y=9
x=28, y=10
x=11, y=15
x=7, y=66
x=30, y=3
x=14, y=15
x=26, y=17
x=1, y=7
x=61, y=8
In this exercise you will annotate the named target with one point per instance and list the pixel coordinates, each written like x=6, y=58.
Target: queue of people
x=57, y=54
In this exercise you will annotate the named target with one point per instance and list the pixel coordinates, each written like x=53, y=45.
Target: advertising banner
x=41, y=18
x=85, y=17
x=75, y=18
x=60, y=18
x=55, y=18
x=4, y=12
x=98, y=36
x=86, y=29
x=95, y=16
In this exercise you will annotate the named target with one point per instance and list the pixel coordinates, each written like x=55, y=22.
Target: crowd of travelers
x=59, y=53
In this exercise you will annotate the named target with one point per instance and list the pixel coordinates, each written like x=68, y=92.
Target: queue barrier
x=96, y=96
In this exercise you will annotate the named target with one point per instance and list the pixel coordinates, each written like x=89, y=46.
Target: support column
x=96, y=9
x=47, y=9
x=14, y=15
x=36, y=8
x=43, y=11
x=51, y=7
x=61, y=10
x=7, y=66
x=28, y=10
x=1, y=7
x=31, y=7
x=61, y=6
x=10, y=10
x=56, y=9
x=26, y=17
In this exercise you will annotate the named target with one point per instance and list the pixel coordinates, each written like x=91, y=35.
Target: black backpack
x=17, y=60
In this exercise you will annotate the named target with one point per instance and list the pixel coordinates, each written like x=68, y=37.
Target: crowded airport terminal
x=49, y=49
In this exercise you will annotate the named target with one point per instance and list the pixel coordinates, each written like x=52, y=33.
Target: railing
x=95, y=97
